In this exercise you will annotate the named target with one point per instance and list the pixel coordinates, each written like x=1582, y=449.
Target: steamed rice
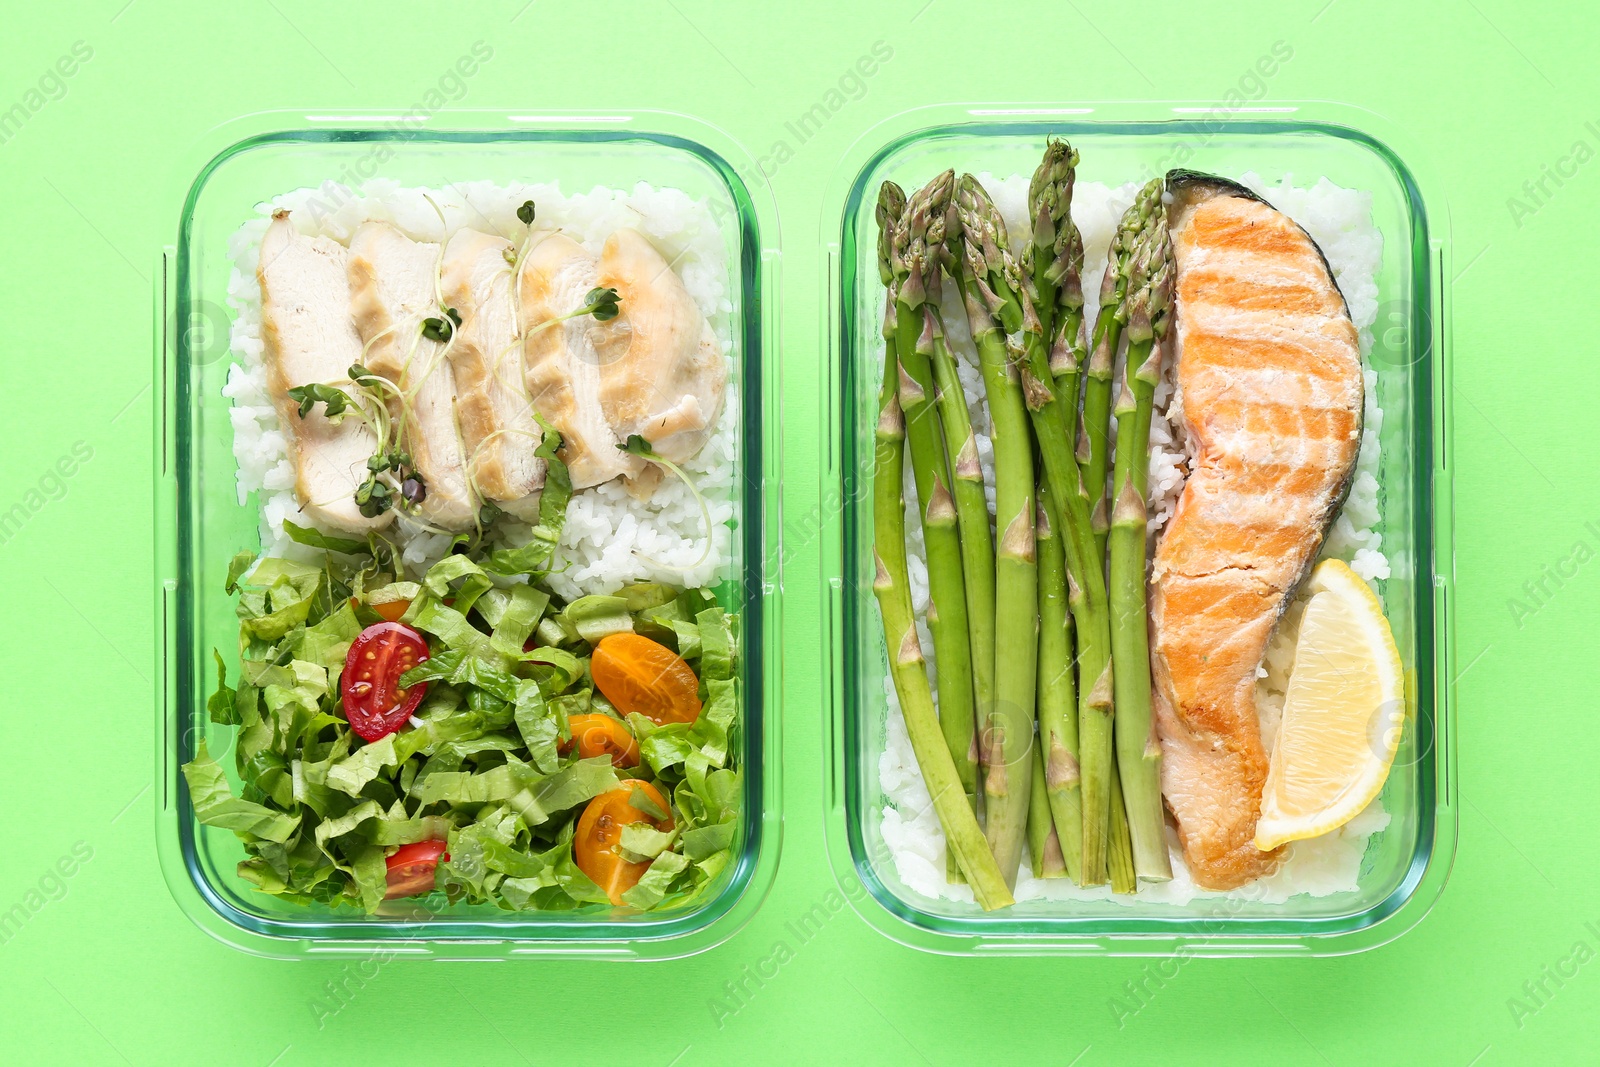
x=609, y=538
x=1340, y=221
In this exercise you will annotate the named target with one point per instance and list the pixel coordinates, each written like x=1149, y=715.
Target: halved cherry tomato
x=411, y=868
x=374, y=702
x=599, y=836
x=640, y=675
x=601, y=735
x=390, y=611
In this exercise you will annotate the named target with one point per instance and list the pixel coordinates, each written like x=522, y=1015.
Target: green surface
x=106, y=970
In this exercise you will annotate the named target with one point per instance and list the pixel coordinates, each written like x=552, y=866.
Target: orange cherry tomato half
x=596, y=845
x=374, y=701
x=390, y=612
x=412, y=867
x=601, y=735
x=640, y=675
x=393, y=609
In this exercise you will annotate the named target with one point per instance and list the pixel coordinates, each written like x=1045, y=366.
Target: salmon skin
x=1269, y=369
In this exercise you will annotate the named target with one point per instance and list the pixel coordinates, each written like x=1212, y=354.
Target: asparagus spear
x=973, y=520
x=1112, y=316
x=1145, y=312
x=1053, y=258
x=1007, y=727
x=927, y=221
x=1057, y=780
x=1119, y=846
x=914, y=266
x=1049, y=383
x=963, y=837
x=1044, y=847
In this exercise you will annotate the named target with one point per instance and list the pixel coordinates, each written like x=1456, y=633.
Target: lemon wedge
x=1342, y=715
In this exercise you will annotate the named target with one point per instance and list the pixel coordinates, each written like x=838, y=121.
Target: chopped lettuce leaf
x=237, y=566
x=702, y=841
x=277, y=597
x=460, y=668
x=452, y=627
x=223, y=704
x=215, y=804
x=641, y=841
x=716, y=644
x=317, y=539
x=657, y=881
x=541, y=725
x=596, y=617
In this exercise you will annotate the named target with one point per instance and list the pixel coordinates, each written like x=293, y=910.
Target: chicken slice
x=308, y=338
x=562, y=365
x=662, y=372
x=497, y=424
x=392, y=290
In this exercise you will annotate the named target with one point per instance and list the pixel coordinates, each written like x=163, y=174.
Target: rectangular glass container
x=200, y=523
x=1405, y=865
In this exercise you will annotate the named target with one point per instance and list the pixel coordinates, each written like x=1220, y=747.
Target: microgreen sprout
x=440, y=329
x=309, y=396
x=525, y=212
x=374, y=496
x=604, y=303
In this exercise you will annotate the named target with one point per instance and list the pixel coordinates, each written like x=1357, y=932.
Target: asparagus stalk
x=972, y=516
x=1044, y=846
x=961, y=444
x=1057, y=780
x=1119, y=847
x=1049, y=383
x=963, y=837
x=1054, y=256
x=914, y=266
x=1095, y=453
x=1007, y=727
x=1145, y=313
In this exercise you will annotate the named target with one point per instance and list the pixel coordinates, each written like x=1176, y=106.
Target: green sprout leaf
x=636, y=445
x=525, y=212
x=309, y=396
x=602, y=303
x=441, y=329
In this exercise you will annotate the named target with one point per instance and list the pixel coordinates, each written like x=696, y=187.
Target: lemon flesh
x=1342, y=715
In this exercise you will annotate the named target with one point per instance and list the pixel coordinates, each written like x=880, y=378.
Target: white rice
x=1340, y=221
x=609, y=538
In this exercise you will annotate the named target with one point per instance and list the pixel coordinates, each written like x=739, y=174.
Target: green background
x=1490, y=92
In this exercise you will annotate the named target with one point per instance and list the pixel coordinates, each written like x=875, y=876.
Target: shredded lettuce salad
x=479, y=765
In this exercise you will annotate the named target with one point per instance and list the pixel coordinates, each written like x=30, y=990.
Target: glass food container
x=200, y=523
x=1405, y=865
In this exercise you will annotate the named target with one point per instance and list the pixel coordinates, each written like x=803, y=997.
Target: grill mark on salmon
x=1269, y=369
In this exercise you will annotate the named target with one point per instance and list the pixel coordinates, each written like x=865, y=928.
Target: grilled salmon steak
x=1269, y=370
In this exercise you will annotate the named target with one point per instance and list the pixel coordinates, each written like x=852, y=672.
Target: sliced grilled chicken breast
x=308, y=338
x=662, y=373
x=498, y=429
x=392, y=290
x=562, y=364
x=1270, y=372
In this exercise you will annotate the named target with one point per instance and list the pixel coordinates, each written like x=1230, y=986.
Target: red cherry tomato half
x=374, y=701
x=411, y=868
